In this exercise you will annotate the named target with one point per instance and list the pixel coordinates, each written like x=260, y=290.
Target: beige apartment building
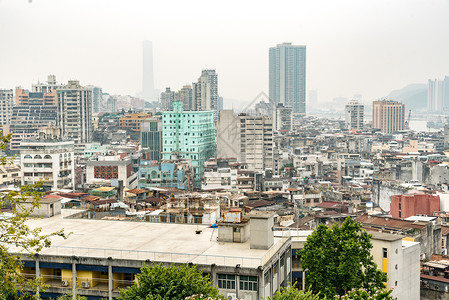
x=247, y=138
x=388, y=115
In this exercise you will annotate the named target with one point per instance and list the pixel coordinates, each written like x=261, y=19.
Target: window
x=384, y=252
x=226, y=281
x=248, y=283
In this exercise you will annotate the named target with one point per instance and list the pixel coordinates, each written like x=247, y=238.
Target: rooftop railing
x=155, y=256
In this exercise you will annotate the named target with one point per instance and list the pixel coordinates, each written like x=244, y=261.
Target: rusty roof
x=388, y=222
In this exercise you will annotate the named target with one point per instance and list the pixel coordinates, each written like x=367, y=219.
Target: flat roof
x=385, y=236
x=145, y=240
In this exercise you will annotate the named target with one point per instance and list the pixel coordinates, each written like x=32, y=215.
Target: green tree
x=15, y=234
x=292, y=293
x=159, y=282
x=338, y=260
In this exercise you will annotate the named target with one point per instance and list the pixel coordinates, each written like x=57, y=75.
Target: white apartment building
x=249, y=139
x=205, y=92
x=111, y=166
x=50, y=160
x=400, y=260
x=354, y=114
x=75, y=112
x=220, y=179
x=6, y=104
x=282, y=119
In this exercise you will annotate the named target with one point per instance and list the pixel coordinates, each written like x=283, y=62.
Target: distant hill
x=414, y=96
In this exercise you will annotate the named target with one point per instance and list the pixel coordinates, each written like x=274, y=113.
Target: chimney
x=261, y=229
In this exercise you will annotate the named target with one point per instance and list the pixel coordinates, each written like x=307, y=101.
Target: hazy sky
x=353, y=46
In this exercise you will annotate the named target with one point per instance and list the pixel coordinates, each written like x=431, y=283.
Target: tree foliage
x=338, y=260
x=292, y=293
x=16, y=235
x=159, y=282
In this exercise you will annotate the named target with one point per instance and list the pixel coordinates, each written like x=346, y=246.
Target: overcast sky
x=353, y=46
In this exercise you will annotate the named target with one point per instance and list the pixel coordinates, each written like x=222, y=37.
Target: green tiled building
x=189, y=135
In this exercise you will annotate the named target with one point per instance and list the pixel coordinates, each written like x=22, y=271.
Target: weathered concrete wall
x=382, y=192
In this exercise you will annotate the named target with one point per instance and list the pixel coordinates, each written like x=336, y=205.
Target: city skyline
x=361, y=48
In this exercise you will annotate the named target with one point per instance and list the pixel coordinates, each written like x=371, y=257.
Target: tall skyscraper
x=354, y=113
x=388, y=115
x=205, y=92
x=287, y=76
x=75, y=112
x=148, y=92
x=446, y=93
x=435, y=95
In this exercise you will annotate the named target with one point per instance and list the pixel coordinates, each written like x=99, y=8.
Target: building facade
x=6, y=104
x=189, y=135
x=354, y=115
x=28, y=120
x=287, y=76
x=247, y=138
x=205, y=92
x=151, y=137
x=133, y=121
x=75, y=112
x=404, y=206
x=388, y=116
x=50, y=159
x=111, y=166
x=282, y=119
x=167, y=99
x=185, y=96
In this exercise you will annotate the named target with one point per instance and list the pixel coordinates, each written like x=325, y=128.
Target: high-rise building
x=97, y=94
x=28, y=120
x=147, y=72
x=6, y=104
x=435, y=95
x=189, y=135
x=249, y=139
x=111, y=104
x=287, y=76
x=167, y=98
x=446, y=93
x=185, y=96
x=32, y=112
x=75, y=112
x=151, y=137
x=388, y=115
x=282, y=118
x=354, y=113
x=205, y=92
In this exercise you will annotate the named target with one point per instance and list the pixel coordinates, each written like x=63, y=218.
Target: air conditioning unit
x=85, y=284
x=65, y=283
x=231, y=296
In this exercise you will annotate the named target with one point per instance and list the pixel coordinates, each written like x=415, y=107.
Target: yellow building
x=132, y=121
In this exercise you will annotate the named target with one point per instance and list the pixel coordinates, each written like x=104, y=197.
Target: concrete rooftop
x=153, y=241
